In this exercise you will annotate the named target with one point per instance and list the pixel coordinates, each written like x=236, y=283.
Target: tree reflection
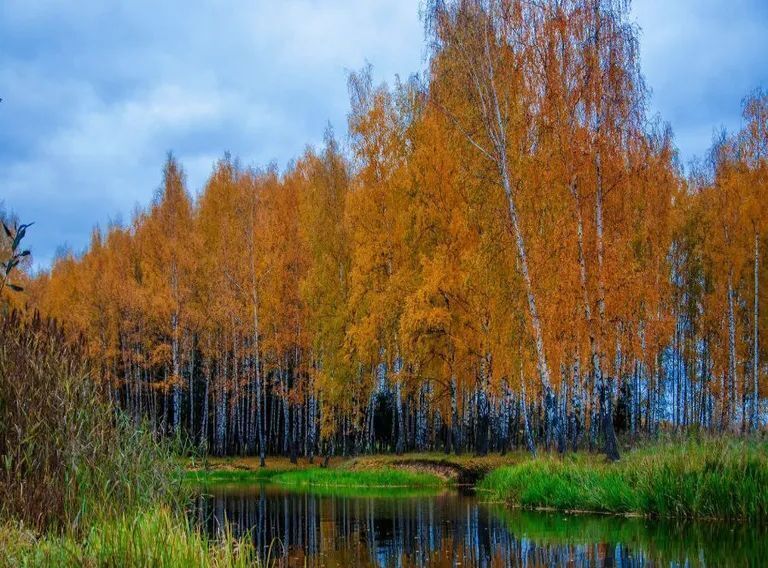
x=452, y=530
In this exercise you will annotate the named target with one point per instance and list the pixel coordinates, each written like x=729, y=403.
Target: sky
x=96, y=92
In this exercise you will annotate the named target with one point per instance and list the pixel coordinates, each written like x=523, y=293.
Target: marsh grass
x=65, y=455
x=718, y=479
x=81, y=484
x=157, y=537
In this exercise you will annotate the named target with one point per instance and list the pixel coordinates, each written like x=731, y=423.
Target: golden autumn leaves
x=515, y=227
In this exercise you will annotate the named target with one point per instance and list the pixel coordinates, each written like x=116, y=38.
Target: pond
x=403, y=528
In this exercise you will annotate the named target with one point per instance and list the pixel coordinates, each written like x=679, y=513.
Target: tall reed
x=157, y=537
x=65, y=455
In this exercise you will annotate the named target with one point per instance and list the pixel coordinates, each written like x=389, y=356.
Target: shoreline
x=690, y=482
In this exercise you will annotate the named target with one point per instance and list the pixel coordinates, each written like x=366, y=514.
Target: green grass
x=207, y=477
x=349, y=478
x=723, y=479
x=372, y=470
x=340, y=476
x=156, y=537
x=380, y=482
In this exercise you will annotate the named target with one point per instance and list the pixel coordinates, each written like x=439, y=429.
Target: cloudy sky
x=95, y=92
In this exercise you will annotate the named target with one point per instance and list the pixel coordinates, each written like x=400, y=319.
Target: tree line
x=506, y=254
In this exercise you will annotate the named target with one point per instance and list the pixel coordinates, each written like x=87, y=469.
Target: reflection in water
x=449, y=529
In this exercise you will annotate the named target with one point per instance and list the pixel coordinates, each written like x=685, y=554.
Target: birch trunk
x=257, y=409
x=526, y=424
x=755, y=344
x=400, y=445
x=482, y=411
x=593, y=343
x=731, y=351
x=522, y=253
x=176, y=374
x=482, y=73
x=611, y=444
x=191, y=389
x=453, y=438
x=576, y=406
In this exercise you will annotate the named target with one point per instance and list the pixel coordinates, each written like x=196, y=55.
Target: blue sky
x=95, y=92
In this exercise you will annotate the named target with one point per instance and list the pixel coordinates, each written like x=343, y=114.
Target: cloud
x=700, y=58
x=95, y=93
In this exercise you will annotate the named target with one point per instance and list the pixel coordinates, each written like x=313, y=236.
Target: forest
x=496, y=321
x=504, y=252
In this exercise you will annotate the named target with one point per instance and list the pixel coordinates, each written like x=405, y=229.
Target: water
x=447, y=528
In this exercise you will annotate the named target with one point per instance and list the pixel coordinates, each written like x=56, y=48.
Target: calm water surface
x=417, y=528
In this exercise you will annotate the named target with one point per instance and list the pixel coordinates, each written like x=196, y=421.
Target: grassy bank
x=234, y=470
x=464, y=469
x=725, y=479
x=156, y=537
x=366, y=470
x=230, y=476
x=350, y=478
x=81, y=484
x=316, y=477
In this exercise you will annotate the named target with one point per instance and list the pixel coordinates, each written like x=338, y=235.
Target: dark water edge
x=404, y=528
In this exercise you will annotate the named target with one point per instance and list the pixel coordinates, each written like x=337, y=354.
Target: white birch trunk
x=176, y=374
x=755, y=343
x=611, y=444
x=731, y=350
